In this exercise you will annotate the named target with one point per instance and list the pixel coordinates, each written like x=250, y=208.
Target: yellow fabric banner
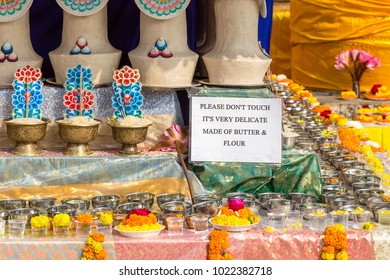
x=280, y=48
x=321, y=29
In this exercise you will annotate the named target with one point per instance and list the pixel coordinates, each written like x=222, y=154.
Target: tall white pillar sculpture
x=162, y=55
x=15, y=42
x=85, y=41
x=236, y=58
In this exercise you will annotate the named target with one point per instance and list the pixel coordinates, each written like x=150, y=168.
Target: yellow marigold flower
x=97, y=247
x=144, y=227
x=39, y=221
x=61, y=220
x=106, y=219
x=342, y=256
x=326, y=256
x=230, y=220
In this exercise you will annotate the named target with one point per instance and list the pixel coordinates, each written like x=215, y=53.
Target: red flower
x=28, y=74
x=366, y=106
x=71, y=99
x=236, y=204
x=375, y=87
x=326, y=113
x=140, y=212
x=126, y=76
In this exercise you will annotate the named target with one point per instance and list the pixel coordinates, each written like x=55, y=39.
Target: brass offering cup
x=129, y=137
x=26, y=136
x=78, y=137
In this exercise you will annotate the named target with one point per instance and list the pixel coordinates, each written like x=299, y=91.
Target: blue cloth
x=265, y=26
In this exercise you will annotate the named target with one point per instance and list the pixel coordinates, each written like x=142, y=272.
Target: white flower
x=355, y=124
x=372, y=144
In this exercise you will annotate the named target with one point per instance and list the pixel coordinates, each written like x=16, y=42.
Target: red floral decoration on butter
x=126, y=76
x=71, y=99
x=28, y=74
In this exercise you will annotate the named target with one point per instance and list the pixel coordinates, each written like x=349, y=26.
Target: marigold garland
x=335, y=243
x=218, y=245
x=93, y=249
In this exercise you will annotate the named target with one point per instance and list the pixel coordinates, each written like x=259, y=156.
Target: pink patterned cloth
x=252, y=245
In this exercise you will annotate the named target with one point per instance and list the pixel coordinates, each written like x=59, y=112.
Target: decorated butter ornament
x=81, y=42
x=79, y=98
x=12, y=57
x=2, y=57
x=162, y=9
x=127, y=98
x=11, y=10
x=27, y=97
x=86, y=50
x=7, y=48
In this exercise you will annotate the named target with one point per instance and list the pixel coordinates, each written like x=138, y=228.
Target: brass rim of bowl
x=60, y=122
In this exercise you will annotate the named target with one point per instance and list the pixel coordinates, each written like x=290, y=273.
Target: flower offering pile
x=140, y=220
x=235, y=214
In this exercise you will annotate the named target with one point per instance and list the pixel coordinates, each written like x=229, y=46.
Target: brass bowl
x=78, y=137
x=129, y=137
x=26, y=136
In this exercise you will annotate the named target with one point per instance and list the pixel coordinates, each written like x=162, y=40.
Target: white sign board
x=227, y=129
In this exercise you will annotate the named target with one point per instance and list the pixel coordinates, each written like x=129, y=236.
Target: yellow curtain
x=381, y=135
x=321, y=29
x=280, y=47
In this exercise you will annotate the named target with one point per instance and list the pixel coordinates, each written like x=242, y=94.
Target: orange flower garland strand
x=218, y=244
x=335, y=243
x=93, y=249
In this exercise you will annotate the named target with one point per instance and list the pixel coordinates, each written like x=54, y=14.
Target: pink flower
x=372, y=63
x=236, y=204
x=140, y=212
x=175, y=133
x=175, y=136
x=355, y=54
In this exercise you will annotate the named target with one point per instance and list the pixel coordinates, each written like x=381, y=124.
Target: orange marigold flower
x=98, y=237
x=101, y=255
x=85, y=218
